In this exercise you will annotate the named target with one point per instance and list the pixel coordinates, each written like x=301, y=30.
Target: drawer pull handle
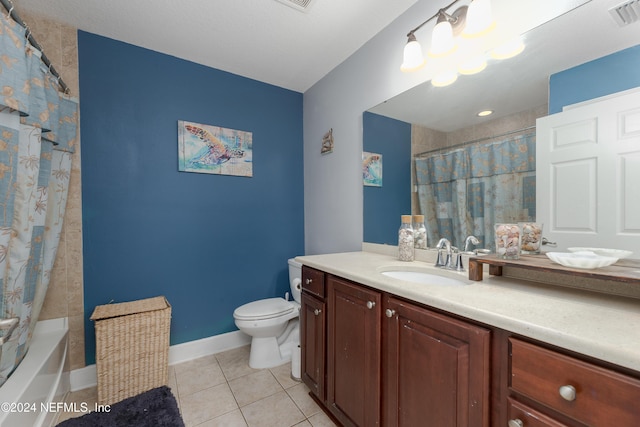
x=317, y=311
x=390, y=313
x=308, y=281
x=568, y=392
x=516, y=423
x=370, y=304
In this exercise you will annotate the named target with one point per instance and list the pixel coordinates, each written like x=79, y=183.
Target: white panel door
x=588, y=174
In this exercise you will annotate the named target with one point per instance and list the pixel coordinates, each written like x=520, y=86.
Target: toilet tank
x=295, y=279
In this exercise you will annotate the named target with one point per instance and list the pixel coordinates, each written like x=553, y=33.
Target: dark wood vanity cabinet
x=436, y=368
x=313, y=331
x=371, y=359
x=394, y=363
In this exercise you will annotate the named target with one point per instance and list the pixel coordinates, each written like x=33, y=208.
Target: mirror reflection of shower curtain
x=466, y=191
x=38, y=134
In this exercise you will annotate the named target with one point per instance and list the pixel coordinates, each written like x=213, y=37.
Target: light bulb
x=413, y=58
x=442, y=41
x=444, y=79
x=479, y=19
x=508, y=50
x=472, y=66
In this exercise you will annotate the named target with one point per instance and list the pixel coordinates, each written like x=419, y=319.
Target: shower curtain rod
x=8, y=5
x=462, y=144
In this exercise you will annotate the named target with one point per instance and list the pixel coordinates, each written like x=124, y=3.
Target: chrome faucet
x=449, y=263
x=458, y=262
x=471, y=240
x=443, y=244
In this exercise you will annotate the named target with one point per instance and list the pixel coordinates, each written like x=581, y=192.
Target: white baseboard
x=178, y=353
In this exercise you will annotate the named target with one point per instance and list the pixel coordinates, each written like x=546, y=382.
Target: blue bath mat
x=153, y=408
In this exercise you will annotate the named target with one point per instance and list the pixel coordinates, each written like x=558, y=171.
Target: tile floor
x=222, y=390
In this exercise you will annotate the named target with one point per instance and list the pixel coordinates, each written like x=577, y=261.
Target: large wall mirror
x=428, y=120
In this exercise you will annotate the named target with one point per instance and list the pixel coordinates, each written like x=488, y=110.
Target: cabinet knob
x=568, y=392
x=390, y=313
x=308, y=281
x=370, y=304
x=317, y=311
x=516, y=423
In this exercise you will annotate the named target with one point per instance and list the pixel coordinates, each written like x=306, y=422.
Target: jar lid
x=418, y=218
x=406, y=219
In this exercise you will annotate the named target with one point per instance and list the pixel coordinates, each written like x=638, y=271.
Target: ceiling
x=265, y=40
x=269, y=41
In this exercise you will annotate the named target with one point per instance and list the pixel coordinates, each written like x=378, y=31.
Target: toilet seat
x=264, y=309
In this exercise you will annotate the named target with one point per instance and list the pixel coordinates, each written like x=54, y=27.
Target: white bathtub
x=39, y=380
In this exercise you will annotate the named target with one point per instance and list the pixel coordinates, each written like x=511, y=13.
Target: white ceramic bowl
x=615, y=253
x=585, y=259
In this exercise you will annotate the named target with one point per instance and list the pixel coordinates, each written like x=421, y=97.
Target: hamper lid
x=132, y=307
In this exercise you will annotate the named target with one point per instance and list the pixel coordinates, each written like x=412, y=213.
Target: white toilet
x=272, y=324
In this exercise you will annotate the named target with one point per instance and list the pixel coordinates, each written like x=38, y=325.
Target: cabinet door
x=312, y=343
x=353, y=353
x=436, y=369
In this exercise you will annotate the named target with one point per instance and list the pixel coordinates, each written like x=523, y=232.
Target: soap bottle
x=419, y=232
x=405, y=239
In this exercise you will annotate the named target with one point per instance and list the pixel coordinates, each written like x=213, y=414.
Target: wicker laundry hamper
x=132, y=347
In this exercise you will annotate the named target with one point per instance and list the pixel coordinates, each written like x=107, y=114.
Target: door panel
x=587, y=160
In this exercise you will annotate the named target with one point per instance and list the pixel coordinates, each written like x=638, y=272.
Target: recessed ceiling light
x=484, y=113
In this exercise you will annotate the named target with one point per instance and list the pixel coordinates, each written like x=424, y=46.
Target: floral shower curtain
x=38, y=133
x=466, y=191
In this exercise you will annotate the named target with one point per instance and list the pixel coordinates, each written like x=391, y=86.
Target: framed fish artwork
x=372, y=169
x=214, y=150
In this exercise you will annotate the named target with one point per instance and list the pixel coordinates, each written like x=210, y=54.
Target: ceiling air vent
x=626, y=13
x=301, y=5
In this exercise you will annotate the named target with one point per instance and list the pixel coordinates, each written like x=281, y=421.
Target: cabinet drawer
x=602, y=397
x=528, y=417
x=313, y=281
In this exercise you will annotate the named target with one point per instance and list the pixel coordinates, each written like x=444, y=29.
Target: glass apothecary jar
x=507, y=237
x=419, y=232
x=530, y=237
x=405, y=239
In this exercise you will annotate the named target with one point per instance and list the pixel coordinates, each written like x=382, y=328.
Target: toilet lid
x=264, y=309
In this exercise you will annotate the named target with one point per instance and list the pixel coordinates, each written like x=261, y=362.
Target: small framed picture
x=372, y=169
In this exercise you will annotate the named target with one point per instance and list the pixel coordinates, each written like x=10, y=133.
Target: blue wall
x=384, y=205
x=209, y=243
x=604, y=76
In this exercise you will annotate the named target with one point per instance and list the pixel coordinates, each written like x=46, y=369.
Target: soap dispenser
x=405, y=239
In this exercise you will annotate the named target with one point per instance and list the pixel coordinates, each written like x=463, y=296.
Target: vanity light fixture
x=509, y=49
x=473, y=65
x=444, y=79
x=470, y=21
x=413, y=58
x=479, y=19
x=442, y=41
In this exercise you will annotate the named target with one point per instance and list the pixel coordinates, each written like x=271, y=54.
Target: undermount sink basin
x=422, y=277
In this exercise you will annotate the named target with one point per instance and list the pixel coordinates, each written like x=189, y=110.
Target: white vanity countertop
x=598, y=325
